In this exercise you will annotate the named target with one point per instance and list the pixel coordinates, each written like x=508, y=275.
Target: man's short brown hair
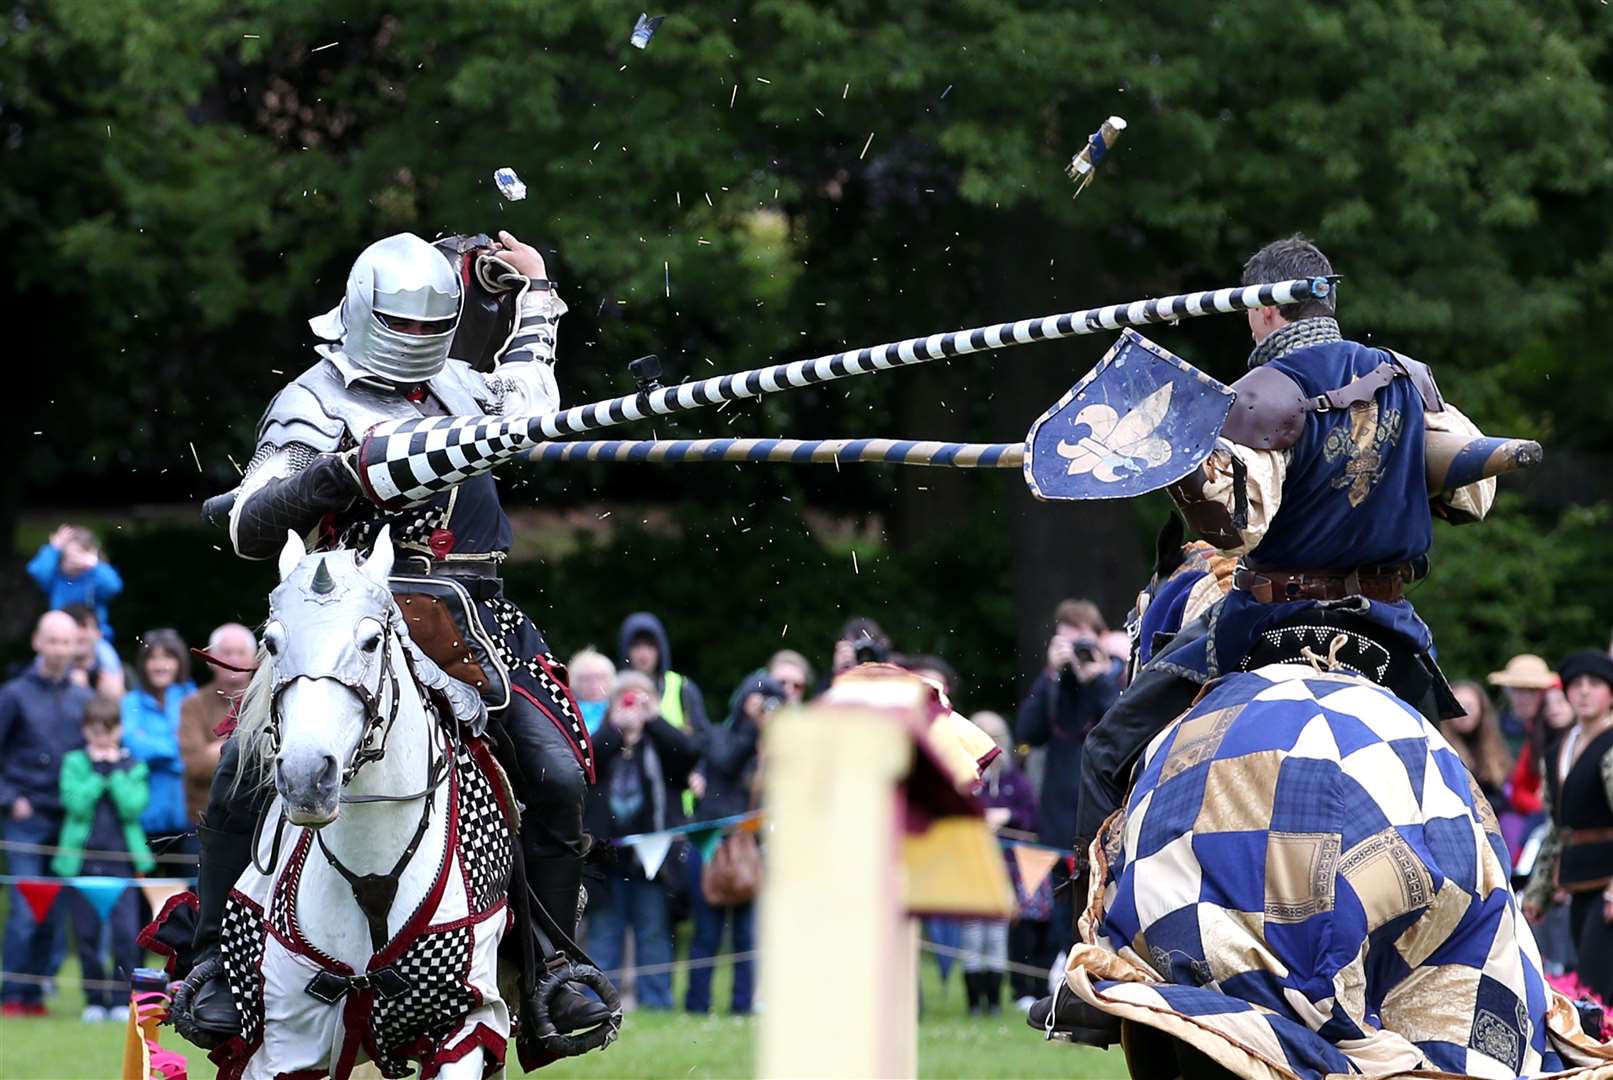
x=103, y=713
x=1080, y=613
x=1284, y=260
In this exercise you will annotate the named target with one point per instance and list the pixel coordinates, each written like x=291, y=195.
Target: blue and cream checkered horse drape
x=1305, y=882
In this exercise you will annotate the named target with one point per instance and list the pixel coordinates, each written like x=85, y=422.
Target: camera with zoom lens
x=1085, y=651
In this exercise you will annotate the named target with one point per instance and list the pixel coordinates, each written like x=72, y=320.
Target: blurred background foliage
x=185, y=183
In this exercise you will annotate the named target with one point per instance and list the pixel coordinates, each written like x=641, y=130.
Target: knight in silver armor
x=463, y=327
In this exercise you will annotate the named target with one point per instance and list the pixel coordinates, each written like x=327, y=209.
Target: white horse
x=369, y=928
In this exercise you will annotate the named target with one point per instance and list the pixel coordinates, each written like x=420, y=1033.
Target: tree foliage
x=187, y=182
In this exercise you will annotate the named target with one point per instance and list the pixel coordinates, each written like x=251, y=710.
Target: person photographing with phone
x=1069, y=696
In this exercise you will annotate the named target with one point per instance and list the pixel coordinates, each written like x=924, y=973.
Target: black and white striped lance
x=407, y=461
x=918, y=350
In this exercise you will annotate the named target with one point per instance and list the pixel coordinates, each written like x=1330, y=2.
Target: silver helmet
x=400, y=277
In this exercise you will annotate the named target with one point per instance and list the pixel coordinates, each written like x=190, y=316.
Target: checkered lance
x=406, y=461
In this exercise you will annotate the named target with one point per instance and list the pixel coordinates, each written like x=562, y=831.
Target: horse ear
x=291, y=554
x=378, y=567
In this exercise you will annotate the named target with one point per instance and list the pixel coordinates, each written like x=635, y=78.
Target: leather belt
x=1385, y=584
x=456, y=568
x=1587, y=836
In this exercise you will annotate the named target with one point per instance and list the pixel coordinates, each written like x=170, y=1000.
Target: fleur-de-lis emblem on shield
x=1118, y=446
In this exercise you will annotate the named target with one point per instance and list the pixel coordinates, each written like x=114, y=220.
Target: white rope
x=52, y=849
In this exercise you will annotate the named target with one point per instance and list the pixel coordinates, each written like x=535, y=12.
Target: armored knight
x=1320, y=487
x=406, y=341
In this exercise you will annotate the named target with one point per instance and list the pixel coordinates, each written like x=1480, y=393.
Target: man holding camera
x=1069, y=696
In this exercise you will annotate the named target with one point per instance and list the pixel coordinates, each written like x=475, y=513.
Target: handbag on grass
x=734, y=874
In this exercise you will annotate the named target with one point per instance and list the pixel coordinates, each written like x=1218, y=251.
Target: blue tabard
x=1355, y=494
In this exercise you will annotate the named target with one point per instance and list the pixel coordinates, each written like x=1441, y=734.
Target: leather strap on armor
x=1587, y=836
x=1271, y=408
x=1385, y=584
x=1207, y=517
x=294, y=503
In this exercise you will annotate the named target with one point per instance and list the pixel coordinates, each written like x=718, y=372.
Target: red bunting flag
x=1034, y=865
x=40, y=896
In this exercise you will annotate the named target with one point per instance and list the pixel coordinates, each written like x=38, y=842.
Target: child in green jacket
x=104, y=791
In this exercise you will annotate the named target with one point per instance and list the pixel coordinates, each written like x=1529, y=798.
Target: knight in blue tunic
x=1320, y=486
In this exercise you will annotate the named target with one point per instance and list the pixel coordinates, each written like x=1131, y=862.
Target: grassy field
x=951, y=1044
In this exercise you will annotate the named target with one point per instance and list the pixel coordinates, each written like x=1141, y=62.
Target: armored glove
x=328, y=484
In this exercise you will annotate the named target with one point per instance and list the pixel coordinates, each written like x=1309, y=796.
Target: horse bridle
x=439, y=765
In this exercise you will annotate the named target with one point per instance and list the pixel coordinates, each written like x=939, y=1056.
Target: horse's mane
x=252, y=720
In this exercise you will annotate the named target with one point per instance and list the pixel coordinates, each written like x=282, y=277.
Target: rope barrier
x=124, y=856
x=616, y=974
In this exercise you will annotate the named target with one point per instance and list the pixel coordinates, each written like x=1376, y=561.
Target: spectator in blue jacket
x=151, y=732
x=41, y=712
x=70, y=571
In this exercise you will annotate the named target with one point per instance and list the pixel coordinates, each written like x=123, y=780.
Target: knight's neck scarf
x=1296, y=335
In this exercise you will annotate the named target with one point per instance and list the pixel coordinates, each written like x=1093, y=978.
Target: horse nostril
x=330, y=774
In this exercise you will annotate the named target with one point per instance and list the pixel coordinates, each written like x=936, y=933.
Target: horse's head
x=329, y=639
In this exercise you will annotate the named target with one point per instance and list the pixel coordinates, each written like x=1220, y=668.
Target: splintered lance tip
x=1084, y=165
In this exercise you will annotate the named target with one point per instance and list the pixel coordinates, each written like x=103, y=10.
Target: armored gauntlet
x=296, y=503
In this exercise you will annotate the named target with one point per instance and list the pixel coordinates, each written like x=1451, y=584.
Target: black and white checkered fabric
x=541, y=670
x=241, y=938
x=411, y=527
x=437, y=967
x=408, y=461
x=283, y=900
x=485, y=851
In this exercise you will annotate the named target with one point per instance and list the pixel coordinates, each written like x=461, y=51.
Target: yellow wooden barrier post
x=866, y=829
x=837, y=954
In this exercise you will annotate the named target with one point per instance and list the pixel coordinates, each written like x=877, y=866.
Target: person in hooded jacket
x=726, y=783
x=641, y=761
x=644, y=647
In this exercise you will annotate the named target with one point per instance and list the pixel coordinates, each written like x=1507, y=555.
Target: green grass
x=951, y=1043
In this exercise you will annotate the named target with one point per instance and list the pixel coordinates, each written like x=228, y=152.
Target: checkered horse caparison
x=1306, y=881
x=428, y=997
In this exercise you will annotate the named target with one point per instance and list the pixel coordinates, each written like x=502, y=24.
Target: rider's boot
x=212, y=1017
x=557, y=882
x=1075, y=1018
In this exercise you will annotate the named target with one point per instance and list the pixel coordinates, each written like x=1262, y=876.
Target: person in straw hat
x=1526, y=678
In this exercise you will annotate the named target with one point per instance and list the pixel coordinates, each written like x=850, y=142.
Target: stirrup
x=571, y=1045
x=1080, y=1021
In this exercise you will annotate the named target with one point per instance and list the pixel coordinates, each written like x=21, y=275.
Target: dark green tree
x=186, y=184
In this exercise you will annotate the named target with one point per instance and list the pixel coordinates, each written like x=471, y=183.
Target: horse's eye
x=271, y=638
x=369, y=633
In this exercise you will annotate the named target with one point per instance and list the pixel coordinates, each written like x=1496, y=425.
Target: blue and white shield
x=1142, y=419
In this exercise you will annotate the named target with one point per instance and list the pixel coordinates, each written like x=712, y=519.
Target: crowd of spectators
x=105, y=768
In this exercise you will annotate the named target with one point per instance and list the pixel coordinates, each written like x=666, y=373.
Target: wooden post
x=838, y=951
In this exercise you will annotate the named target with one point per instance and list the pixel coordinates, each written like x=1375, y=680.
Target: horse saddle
x=444, y=621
